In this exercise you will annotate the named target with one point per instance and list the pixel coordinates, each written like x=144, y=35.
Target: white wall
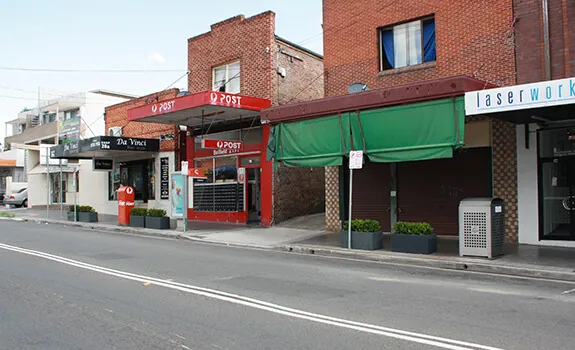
x=527, y=190
x=37, y=187
x=94, y=110
x=93, y=189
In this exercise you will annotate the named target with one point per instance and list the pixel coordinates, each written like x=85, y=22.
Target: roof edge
x=409, y=93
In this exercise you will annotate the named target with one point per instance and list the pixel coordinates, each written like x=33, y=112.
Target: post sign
x=103, y=164
x=165, y=178
x=223, y=144
x=356, y=159
x=184, y=167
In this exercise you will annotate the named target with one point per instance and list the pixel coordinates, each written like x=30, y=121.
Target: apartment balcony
x=35, y=135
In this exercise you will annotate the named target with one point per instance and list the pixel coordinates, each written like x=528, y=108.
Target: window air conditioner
x=115, y=131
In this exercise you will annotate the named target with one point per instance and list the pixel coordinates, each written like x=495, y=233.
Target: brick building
x=234, y=70
x=541, y=109
x=423, y=156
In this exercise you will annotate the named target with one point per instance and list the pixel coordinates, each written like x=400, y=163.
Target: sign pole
x=185, y=189
x=350, y=201
x=355, y=162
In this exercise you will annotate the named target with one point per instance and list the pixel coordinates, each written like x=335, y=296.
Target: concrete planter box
x=158, y=223
x=71, y=216
x=363, y=240
x=137, y=221
x=88, y=217
x=416, y=244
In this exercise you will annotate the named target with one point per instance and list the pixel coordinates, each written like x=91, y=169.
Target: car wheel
x=25, y=203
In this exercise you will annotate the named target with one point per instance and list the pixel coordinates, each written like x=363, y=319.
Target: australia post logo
x=225, y=99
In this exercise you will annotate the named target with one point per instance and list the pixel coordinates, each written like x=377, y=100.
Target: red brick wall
x=252, y=41
x=303, y=80
x=473, y=38
x=117, y=115
x=530, y=54
x=249, y=40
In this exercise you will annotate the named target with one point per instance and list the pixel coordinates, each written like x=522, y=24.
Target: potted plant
x=157, y=219
x=74, y=210
x=413, y=237
x=87, y=214
x=365, y=235
x=138, y=217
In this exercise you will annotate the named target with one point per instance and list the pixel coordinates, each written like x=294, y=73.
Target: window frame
x=227, y=76
x=382, y=55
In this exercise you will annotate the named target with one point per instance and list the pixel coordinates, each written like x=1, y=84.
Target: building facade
x=234, y=70
x=395, y=78
x=59, y=119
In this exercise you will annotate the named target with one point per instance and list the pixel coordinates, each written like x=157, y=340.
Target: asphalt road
x=78, y=289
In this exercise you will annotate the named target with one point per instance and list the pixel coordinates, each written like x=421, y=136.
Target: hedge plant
x=358, y=225
x=158, y=213
x=412, y=228
x=139, y=212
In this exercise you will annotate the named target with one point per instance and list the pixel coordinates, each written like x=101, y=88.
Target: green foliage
x=4, y=214
x=82, y=209
x=358, y=225
x=412, y=228
x=158, y=213
x=139, y=212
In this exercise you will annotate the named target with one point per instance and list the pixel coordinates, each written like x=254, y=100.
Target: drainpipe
x=547, y=53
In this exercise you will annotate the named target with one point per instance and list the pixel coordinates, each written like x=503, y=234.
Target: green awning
x=418, y=131
x=311, y=143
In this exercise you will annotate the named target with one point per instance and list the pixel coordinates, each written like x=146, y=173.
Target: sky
x=120, y=35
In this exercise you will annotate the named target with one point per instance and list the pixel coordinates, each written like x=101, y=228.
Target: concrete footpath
x=294, y=240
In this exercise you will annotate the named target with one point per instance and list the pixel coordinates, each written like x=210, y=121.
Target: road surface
x=68, y=288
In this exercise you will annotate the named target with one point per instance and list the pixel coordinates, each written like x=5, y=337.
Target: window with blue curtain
x=408, y=44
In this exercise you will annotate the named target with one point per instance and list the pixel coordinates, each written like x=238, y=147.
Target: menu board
x=165, y=178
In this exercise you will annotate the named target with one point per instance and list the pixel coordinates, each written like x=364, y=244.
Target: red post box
x=125, y=204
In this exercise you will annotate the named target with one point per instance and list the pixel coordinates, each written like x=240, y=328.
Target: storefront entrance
x=557, y=184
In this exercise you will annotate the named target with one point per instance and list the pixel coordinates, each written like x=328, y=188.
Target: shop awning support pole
x=60, y=164
x=186, y=193
x=75, y=194
x=47, y=183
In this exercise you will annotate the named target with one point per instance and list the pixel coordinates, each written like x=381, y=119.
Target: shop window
x=408, y=44
x=207, y=165
x=138, y=174
x=226, y=78
x=226, y=170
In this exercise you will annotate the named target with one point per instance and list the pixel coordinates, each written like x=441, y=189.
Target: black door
x=557, y=198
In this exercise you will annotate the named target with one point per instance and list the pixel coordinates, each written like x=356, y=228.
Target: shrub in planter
x=138, y=217
x=413, y=237
x=365, y=235
x=157, y=219
x=87, y=214
x=74, y=210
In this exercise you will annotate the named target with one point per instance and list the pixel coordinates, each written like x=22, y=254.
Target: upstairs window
x=408, y=44
x=227, y=78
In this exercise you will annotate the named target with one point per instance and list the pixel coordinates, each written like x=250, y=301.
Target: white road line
x=420, y=338
x=568, y=291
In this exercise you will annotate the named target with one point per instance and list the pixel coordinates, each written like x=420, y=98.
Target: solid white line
x=440, y=342
x=568, y=291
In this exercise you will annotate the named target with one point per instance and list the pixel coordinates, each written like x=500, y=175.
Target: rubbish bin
x=481, y=227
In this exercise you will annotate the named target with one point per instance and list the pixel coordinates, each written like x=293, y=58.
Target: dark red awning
x=203, y=107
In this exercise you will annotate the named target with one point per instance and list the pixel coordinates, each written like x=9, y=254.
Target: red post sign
x=125, y=204
x=222, y=144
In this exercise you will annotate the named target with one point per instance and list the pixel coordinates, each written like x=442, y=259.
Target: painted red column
x=190, y=154
x=266, y=189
